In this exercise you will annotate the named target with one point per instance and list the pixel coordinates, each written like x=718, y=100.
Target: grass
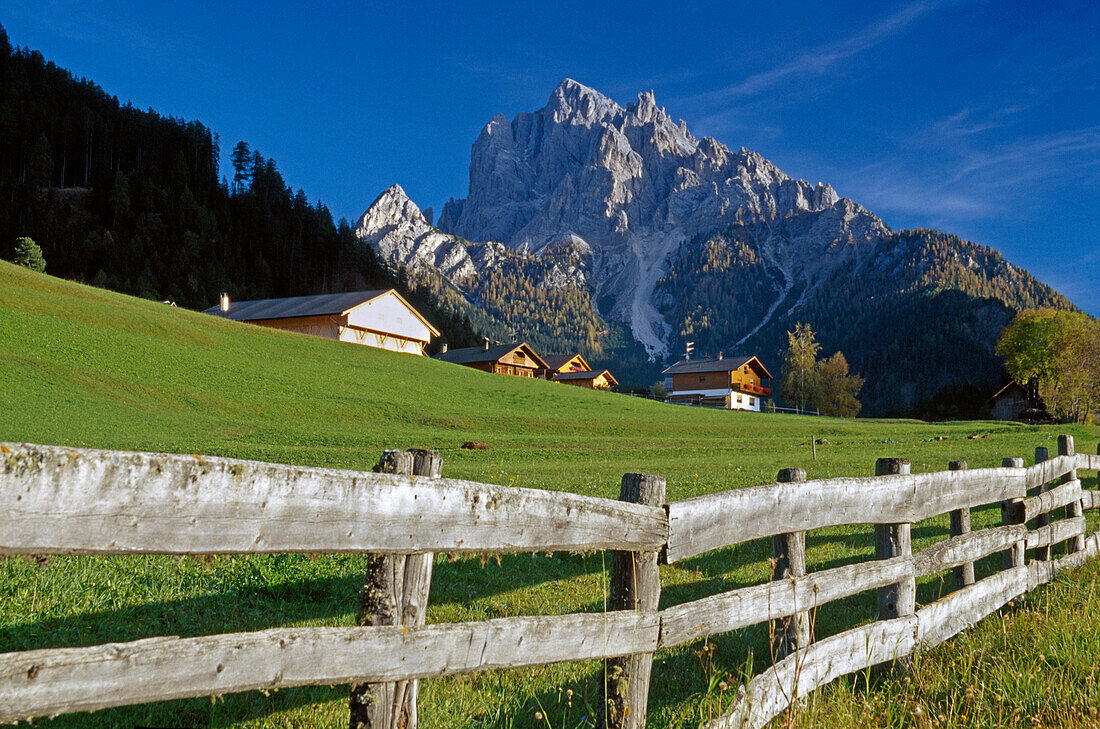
x=85, y=367
x=1031, y=665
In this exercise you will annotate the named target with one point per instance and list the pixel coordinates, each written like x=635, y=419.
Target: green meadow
x=81, y=366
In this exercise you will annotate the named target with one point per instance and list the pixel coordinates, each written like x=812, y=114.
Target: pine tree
x=242, y=167
x=28, y=255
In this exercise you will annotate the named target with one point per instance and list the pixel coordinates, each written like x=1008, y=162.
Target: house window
x=752, y=401
x=738, y=398
x=702, y=378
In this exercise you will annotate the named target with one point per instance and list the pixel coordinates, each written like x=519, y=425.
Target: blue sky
x=977, y=118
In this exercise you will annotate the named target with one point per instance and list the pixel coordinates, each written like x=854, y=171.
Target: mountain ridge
x=628, y=202
x=628, y=182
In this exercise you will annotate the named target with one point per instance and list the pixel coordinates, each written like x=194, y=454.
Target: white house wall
x=734, y=405
x=387, y=313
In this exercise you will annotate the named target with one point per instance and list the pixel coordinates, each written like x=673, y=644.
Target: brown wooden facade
x=516, y=359
x=561, y=363
x=740, y=383
x=593, y=380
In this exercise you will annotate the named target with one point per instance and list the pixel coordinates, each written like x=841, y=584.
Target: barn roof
x=724, y=364
x=586, y=375
x=557, y=361
x=1008, y=389
x=295, y=306
x=317, y=305
x=469, y=355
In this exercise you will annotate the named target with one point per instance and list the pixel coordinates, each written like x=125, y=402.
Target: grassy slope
x=81, y=366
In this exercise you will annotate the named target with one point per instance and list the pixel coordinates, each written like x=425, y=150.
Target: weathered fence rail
x=79, y=501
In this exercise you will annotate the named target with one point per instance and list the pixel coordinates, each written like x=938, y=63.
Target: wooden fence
x=56, y=500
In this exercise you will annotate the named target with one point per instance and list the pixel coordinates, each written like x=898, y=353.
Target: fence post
x=1012, y=512
x=394, y=593
x=1073, y=509
x=960, y=525
x=635, y=585
x=791, y=633
x=1041, y=454
x=895, y=540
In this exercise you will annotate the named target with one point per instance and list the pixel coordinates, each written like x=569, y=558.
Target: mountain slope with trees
x=687, y=240
x=918, y=318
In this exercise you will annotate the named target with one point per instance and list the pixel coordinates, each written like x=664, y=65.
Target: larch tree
x=800, y=376
x=839, y=389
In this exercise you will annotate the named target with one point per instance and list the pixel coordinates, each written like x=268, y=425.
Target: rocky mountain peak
x=572, y=101
x=394, y=226
x=392, y=207
x=632, y=187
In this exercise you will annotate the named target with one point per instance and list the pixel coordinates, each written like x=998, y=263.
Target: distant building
x=381, y=319
x=516, y=359
x=601, y=380
x=1010, y=402
x=559, y=363
x=733, y=383
x=572, y=369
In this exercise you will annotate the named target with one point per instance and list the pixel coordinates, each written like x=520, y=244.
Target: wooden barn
x=516, y=359
x=556, y=364
x=733, y=383
x=572, y=369
x=381, y=319
x=593, y=380
x=1010, y=401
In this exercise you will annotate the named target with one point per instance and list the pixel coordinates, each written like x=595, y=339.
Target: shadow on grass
x=255, y=604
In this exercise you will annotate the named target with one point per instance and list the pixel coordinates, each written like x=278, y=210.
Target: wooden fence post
x=635, y=585
x=395, y=593
x=960, y=525
x=1012, y=512
x=791, y=633
x=1041, y=454
x=895, y=540
x=1073, y=509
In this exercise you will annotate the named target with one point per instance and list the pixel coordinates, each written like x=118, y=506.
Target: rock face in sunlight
x=629, y=187
x=394, y=226
x=671, y=239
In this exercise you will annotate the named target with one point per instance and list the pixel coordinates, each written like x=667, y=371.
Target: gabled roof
x=1007, y=388
x=318, y=305
x=725, y=364
x=471, y=355
x=557, y=361
x=586, y=375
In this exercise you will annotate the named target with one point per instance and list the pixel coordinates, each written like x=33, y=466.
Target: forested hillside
x=132, y=201
x=918, y=319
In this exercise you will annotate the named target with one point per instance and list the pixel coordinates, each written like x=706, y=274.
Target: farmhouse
x=516, y=359
x=572, y=369
x=735, y=383
x=559, y=363
x=601, y=380
x=381, y=319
